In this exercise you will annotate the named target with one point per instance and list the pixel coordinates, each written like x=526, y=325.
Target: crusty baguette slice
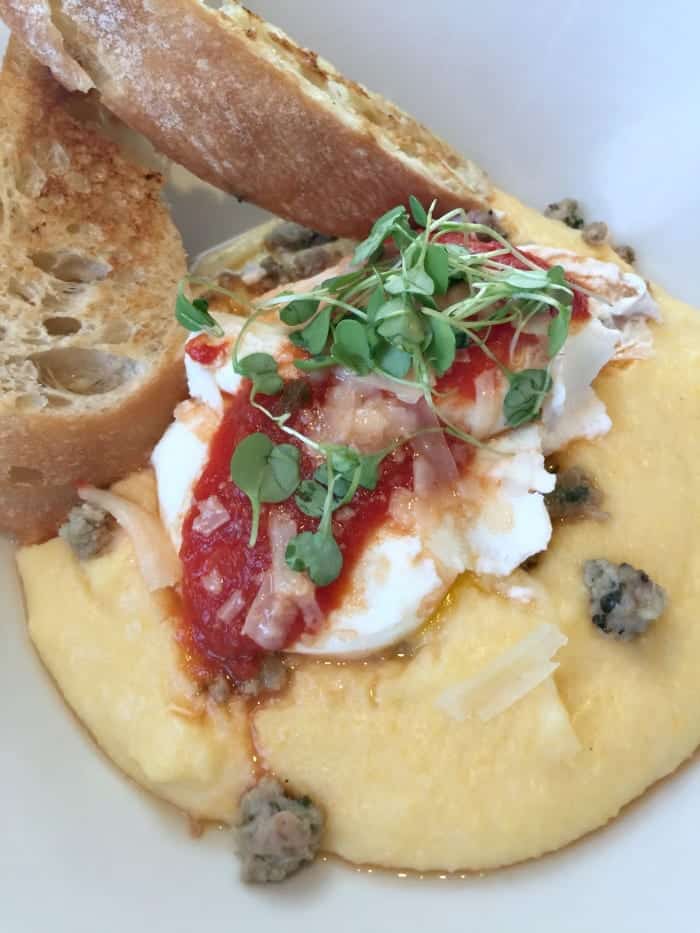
x=90, y=353
x=241, y=105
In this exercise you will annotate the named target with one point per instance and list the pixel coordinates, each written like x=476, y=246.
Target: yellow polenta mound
x=110, y=646
x=404, y=784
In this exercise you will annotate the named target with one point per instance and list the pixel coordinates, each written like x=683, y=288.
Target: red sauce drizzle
x=203, y=351
x=472, y=362
x=221, y=646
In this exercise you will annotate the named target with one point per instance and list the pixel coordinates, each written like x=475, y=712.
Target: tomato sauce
x=220, y=645
x=203, y=351
x=215, y=644
x=470, y=363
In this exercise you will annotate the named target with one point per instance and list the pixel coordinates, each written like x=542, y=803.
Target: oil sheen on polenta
x=403, y=784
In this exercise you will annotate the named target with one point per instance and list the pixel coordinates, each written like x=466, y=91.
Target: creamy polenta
x=403, y=783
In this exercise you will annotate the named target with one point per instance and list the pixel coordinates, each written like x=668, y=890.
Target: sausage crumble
x=623, y=600
x=570, y=212
x=567, y=210
x=276, y=834
x=87, y=530
x=488, y=219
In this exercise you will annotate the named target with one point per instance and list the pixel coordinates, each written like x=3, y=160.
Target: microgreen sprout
x=394, y=314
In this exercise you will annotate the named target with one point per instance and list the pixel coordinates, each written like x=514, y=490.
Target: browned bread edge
x=241, y=105
x=55, y=434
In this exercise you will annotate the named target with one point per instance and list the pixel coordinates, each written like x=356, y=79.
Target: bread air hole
x=69, y=266
x=84, y=371
x=25, y=476
x=61, y=326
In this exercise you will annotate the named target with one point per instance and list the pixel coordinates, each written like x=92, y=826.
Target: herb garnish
x=265, y=472
x=382, y=318
x=194, y=315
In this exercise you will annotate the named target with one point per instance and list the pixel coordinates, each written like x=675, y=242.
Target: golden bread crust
x=241, y=105
x=90, y=352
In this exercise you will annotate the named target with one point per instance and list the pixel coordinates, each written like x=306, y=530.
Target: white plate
x=554, y=99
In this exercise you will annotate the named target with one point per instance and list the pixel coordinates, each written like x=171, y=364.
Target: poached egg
x=490, y=519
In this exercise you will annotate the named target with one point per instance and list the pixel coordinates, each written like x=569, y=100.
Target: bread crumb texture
x=87, y=254
x=239, y=103
x=89, y=266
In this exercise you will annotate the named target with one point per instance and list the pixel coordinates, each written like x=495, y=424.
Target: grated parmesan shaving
x=507, y=679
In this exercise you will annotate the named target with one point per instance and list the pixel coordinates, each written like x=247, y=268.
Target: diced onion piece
x=408, y=394
x=156, y=557
x=212, y=515
x=486, y=415
x=507, y=679
x=282, y=594
x=230, y=609
x=213, y=582
x=434, y=466
x=359, y=414
x=269, y=617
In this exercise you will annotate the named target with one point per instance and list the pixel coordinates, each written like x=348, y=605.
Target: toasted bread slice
x=241, y=105
x=90, y=353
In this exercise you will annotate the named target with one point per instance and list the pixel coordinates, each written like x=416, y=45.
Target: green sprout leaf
x=281, y=477
x=461, y=339
x=418, y=211
x=299, y=311
x=316, y=553
x=442, y=347
x=261, y=369
x=340, y=282
x=342, y=486
x=346, y=461
x=369, y=470
x=558, y=329
x=525, y=279
x=311, y=497
x=314, y=336
x=351, y=347
x=311, y=366
x=376, y=300
x=383, y=228
x=437, y=265
x=414, y=281
x=392, y=360
x=194, y=315
x=265, y=472
x=523, y=401
x=400, y=324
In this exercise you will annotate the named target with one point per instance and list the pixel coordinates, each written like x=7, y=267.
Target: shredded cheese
x=155, y=555
x=507, y=679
